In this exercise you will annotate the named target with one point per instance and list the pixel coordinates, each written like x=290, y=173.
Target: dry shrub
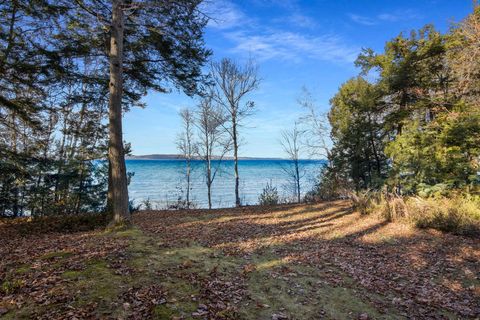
x=392, y=207
x=363, y=201
x=458, y=214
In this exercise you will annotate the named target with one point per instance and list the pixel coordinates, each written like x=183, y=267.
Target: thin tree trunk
x=116, y=155
x=15, y=190
x=188, y=184
x=235, y=159
x=297, y=172
x=209, y=183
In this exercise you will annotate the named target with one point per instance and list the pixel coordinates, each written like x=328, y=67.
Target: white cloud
x=252, y=37
x=361, y=19
x=388, y=17
x=399, y=15
x=292, y=46
x=288, y=4
x=224, y=14
x=300, y=20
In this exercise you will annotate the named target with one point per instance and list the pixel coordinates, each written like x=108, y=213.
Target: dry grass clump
x=389, y=206
x=363, y=201
x=457, y=214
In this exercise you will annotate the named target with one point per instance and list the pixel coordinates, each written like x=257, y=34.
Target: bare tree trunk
x=297, y=173
x=209, y=182
x=188, y=184
x=235, y=159
x=119, y=191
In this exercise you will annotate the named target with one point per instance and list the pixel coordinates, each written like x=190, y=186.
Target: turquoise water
x=163, y=181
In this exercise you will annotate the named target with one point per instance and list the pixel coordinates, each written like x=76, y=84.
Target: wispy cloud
x=293, y=46
x=362, y=19
x=288, y=4
x=399, y=15
x=251, y=36
x=301, y=20
x=224, y=14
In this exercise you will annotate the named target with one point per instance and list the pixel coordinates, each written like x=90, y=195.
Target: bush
x=269, y=196
x=362, y=201
x=458, y=214
x=132, y=207
x=147, y=204
x=329, y=186
x=391, y=206
x=60, y=223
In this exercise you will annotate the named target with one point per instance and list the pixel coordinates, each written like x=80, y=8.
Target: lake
x=163, y=181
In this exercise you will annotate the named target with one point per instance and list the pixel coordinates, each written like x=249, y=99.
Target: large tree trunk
x=119, y=191
x=235, y=159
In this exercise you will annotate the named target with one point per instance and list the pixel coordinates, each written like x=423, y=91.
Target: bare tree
x=291, y=144
x=187, y=146
x=232, y=84
x=316, y=132
x=213, y=142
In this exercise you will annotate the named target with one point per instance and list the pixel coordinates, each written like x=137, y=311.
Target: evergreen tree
x=356, y=119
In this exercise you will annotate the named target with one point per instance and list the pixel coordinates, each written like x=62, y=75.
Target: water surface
x=163, y=181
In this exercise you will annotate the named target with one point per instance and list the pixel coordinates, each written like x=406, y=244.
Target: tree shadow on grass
x=425, y=273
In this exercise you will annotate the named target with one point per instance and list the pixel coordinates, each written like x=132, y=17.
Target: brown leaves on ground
x=423, y=274
x=285, y=262
x=140, y=302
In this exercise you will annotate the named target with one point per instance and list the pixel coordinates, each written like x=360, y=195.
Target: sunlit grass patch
x=96, y=284
x=56, y=255
x=301, y=292
x=304, y=262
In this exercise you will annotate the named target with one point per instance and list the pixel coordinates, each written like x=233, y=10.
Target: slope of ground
x=286, y=262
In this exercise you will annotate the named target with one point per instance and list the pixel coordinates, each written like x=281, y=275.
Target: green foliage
x=357, y=134
x=437, y=156
x=147, y=204
x=416, y=129
x=54, y=72
x=269, y=196
x=330, y=184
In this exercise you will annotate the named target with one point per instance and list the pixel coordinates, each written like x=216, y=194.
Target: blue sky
x=296, y=43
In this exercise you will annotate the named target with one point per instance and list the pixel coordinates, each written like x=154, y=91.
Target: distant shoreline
x=179, y=157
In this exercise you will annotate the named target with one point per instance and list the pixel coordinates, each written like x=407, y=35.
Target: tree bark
x=188, y=184
x=235, y=160
x=209, y=184
x=119, y=191
x=297, y=173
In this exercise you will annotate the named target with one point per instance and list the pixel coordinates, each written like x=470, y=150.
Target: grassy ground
x=287, y=262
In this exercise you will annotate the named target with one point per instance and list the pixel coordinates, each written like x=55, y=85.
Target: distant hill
x=154, y=157
x=177, y=156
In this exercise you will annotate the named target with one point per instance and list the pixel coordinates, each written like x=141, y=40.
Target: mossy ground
x=300, y=262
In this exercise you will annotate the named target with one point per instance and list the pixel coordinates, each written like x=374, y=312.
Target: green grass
x=301, y=293
x=56, y=255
